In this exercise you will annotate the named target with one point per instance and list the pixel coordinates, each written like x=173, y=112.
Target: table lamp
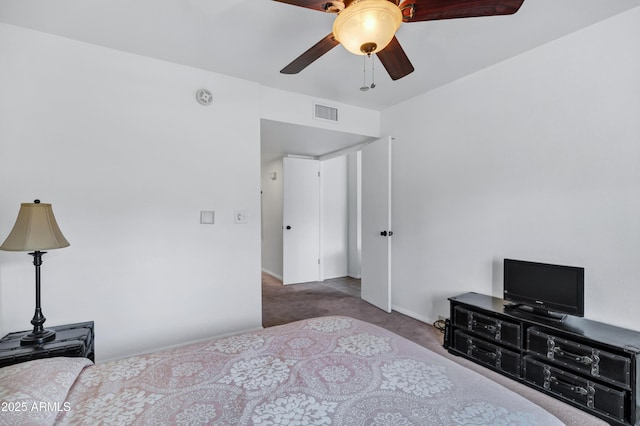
x=36, y=230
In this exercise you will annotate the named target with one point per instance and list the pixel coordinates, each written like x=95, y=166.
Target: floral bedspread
x=322, y=371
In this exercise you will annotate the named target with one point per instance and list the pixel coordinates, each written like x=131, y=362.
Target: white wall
x=272, y=218
x=119, y=146
x=534, y=158
x=294, y=108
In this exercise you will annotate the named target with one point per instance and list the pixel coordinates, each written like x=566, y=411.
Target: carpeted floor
x=283, y=304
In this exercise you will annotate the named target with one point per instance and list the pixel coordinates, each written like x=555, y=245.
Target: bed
x=324, y=371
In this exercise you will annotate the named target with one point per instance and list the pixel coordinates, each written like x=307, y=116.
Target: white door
x=301, y=220
x=376, y=224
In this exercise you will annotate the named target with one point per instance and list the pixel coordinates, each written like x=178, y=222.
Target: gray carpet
x=283, y=304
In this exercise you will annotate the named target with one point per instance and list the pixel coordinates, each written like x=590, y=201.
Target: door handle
x=386, y=234
x=288, y=227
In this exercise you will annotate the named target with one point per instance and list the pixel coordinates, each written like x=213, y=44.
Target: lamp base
x=38, y=338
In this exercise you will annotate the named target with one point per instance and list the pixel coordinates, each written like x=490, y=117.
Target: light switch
x=240, y=216
x=206, y=217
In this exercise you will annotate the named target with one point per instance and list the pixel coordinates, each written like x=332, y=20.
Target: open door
x=376, y=224
x=301, y=220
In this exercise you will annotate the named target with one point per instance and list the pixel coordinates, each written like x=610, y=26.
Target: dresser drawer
x=487, y=353
x=493, y=328
x=589, y=394
x=593, y=362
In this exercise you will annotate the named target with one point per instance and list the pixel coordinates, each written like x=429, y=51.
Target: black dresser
x=72, y=340
x=588, y=364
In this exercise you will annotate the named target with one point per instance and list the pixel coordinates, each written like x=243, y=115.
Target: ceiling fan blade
x=431, y=10
x=309, y=4
x=313, y=53
x=394, y=60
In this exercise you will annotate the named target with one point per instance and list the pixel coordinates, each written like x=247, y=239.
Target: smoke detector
x=204, y=97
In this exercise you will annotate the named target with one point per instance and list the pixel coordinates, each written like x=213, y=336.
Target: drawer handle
x=582, y=359
x=593, y=360
x=491, y=328
x=485, y=352
x=496, y=330
x=589, y=391
x=496, y=356
x=573, y=388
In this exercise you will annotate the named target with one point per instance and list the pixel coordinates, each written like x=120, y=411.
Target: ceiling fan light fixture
x=367, y=26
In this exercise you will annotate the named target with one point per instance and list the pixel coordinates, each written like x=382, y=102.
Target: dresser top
x=618, y=337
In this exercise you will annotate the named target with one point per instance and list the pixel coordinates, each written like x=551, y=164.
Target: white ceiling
x=254, y=39
x=280, y=139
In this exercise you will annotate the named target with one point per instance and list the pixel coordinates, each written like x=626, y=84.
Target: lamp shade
x=35, y=229
x=367, y=26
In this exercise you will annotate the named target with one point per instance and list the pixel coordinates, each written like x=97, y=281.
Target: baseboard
x=413, y=314
x=273, y=274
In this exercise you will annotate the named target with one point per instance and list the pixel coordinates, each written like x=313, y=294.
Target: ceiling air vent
x=323, y=112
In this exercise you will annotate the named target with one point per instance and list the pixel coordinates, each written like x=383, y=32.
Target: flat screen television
x=553, y=291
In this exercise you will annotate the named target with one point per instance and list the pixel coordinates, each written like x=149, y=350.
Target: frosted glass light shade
x=367, y=26
x=35, y=229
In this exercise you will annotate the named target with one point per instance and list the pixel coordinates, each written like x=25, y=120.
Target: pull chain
x=364, y=87
x=372, y=83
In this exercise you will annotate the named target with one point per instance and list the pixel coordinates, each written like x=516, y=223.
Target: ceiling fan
x=364, y=27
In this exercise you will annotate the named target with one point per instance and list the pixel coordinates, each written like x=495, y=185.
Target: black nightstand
x=72, y=340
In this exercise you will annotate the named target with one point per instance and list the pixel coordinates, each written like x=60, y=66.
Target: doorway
x=334, y=260
x=282, y=139
x=329, y=250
